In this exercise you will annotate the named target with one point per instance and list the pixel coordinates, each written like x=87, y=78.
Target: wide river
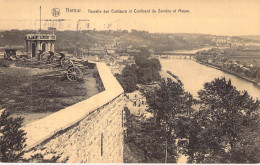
x=193, y=75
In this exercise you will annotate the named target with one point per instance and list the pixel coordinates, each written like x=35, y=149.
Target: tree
x=152, y=63
x=144, y=75
x=12, y=138
x=146, y=137
x=226, y=127
x=128, y=83
x=148, y=75
x=141, y=56
x=166, y=102
x=129, y=72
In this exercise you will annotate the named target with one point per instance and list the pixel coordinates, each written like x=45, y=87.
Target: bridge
x=174, y=55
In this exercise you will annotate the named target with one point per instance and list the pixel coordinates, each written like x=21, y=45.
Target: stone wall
x=98, y=138
x=90, y=131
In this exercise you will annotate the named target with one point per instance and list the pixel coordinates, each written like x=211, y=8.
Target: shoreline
x=229, y=72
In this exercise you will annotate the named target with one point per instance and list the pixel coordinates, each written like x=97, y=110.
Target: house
x=245, y=69
x=219, y=63
x=227, y=64
x=250, y=65
x=92, y=58
x=110, y=52
x=123, y=58
x=133, y=51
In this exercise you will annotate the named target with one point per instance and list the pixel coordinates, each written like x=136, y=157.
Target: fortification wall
x=90, y=131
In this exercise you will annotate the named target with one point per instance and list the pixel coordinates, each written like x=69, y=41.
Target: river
x=193, y=75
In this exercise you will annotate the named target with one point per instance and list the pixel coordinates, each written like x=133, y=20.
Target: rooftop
x=40, y=37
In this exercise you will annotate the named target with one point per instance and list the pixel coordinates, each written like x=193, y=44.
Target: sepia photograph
x=130, y=81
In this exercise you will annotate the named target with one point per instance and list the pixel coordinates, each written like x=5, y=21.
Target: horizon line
x=129, y=31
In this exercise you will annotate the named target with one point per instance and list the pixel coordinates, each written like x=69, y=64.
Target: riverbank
x=168, y=74
x=194, y=75
x=230, y=72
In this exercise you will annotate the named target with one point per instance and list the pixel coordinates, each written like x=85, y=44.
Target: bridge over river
x=174, y=55
x=181, y=54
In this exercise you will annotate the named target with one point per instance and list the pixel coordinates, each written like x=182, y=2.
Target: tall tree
x=226, y=127
x=166, y=102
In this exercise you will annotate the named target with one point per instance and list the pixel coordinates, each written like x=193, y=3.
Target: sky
x=218, y=17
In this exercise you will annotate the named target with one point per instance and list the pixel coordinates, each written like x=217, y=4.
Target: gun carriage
x=76, y=67
x=10, y=54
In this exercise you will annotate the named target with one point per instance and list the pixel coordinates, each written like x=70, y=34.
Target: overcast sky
x=220, y=17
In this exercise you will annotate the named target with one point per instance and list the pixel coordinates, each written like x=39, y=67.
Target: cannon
x=61, y=59
x=46, y=56
x=55, y=58
x=43, y=56
x=74, y=73
x=78, y=69
x=10, y=54
x=65, y=61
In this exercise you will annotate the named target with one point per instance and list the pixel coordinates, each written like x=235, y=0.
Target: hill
x=251, y=37
x=70, y=40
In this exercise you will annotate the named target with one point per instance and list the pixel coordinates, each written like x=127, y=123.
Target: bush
x=127, y=83
x=12, y=138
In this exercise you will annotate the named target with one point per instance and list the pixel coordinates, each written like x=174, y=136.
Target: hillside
x=70, y=40
x=251, y=37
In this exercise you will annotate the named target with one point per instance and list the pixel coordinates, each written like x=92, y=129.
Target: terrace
x=34, y=92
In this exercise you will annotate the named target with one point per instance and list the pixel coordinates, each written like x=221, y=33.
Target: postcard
x=132, y=81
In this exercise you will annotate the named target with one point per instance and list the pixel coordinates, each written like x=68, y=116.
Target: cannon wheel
x=64, y=62
x=40, y=57
x=51, y=59
x=74, y=73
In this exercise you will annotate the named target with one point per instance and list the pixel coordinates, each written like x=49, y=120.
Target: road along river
x=193, y=75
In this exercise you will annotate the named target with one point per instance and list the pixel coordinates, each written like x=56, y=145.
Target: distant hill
x=251, y=37
x=70, y=40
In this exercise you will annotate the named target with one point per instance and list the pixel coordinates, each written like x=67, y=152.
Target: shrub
x=12, y=138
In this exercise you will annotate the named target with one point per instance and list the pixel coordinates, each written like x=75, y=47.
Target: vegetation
x=167, y=102
x=127, y=83
x=147, y=138
x=145, y=71
x=39, y=158
x=148, y=69
x=99, y=82
x=12, y=138
x=13, y=142
x=224, y=129
x=156, y=137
